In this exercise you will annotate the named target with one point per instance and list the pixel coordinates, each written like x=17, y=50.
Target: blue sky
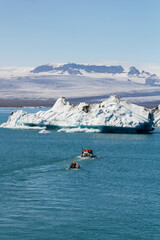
x=35, y=32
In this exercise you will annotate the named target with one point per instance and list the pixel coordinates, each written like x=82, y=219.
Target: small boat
x=87, y=153
x=74, y=165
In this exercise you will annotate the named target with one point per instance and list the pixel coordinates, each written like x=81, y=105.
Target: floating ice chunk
x=44, y=131
x=156, y=114
x=110, y=115
x=78, y=129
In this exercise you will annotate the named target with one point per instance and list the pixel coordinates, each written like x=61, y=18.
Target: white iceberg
x=156, y=114
x=111, y=115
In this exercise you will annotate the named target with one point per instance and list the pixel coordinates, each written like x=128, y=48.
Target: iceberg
x=156, y=115
x=112, y=115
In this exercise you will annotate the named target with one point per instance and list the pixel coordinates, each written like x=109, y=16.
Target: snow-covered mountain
x=82, y=69
x=77, y=81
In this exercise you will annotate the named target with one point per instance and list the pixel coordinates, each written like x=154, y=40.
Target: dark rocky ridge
x=133, y=71
x=73, y=68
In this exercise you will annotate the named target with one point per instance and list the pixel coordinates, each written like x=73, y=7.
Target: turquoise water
x=113, y=196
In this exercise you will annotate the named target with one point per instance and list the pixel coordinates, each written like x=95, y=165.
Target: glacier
x=111, y=115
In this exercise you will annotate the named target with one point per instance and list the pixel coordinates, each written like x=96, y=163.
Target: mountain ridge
x=84, y=69
x=74, y=68
x=75, y=81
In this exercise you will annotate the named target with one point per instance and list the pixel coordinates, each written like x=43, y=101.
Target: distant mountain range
x=73, y=68
x=78, y=81
x=82, y=69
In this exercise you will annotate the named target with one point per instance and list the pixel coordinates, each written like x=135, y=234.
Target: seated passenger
x=74, y=165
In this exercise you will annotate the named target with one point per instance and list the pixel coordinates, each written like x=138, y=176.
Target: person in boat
x=90, y=151
x=87, y=153
x=74, y=165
